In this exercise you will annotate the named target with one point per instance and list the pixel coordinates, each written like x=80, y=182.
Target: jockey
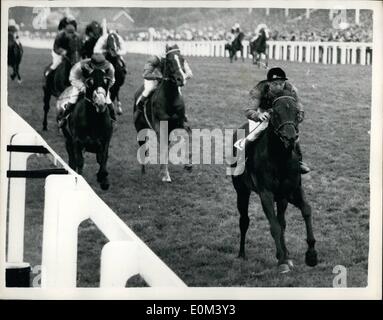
x=152, y=74
x=65, y=21
x=257, y=31
x=61, y=46
x=78, y=74
x=231, y=36
x=13, y=29
x=101, y=46
x=262, y=96
x=93, y=30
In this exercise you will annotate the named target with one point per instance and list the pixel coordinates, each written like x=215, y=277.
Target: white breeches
x=56, y=60
x=149, y=86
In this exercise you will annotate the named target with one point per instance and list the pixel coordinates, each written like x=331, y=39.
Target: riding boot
x=140, y=107
x=112, y=113
x=304, y=167
x=61, y=118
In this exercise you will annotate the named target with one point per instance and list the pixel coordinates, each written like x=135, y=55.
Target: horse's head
x=97, y=84
x=285, y=118
x=113, y=44
x=174, y=66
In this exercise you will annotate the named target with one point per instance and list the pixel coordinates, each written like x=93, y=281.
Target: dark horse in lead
x=273, y=171
x=89, y=127
x=165, y=104
x=58, y=80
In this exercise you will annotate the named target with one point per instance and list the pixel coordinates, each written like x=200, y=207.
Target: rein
x=276, y=130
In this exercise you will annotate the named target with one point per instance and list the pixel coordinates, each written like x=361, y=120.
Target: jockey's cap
x=169, y=47
x=70, y=28
x=11, y=22
x=98, y=60
x=236, y=26
x=276, y=74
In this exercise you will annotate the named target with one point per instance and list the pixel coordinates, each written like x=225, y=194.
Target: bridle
x=289, y=122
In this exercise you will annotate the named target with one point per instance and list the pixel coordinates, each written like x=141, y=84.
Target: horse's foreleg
x=47, y=97
x=18, y=73
x=300, y=202
x=243, y=196
x=70, y=151
x=162, y=131
x=79, y=157
x=281, y=210
x=189, y=156
x=102, y=174
x=243, y=58
x=267, y=200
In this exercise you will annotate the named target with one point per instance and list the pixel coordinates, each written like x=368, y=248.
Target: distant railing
x=299, y=51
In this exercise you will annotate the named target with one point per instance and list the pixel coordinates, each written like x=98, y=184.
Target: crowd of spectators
x=317, y=28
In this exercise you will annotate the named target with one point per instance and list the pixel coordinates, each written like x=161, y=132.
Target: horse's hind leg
x=71, y=156
x=47, y=97
x=243, y=196
x=18, y=73
x=243, y=58
x=300, y=202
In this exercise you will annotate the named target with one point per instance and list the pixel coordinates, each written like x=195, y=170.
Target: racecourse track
x=192, y=223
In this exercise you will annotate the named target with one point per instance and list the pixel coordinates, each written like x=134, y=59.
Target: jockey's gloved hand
x=264, y=116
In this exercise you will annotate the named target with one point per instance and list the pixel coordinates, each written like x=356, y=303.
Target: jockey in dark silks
x=152, y=75
x=93, y=31
x=65, y=21
x=61, y=43
x=78, y=75
x=261, y=99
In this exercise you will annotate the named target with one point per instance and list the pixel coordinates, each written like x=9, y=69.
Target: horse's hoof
x=242, y=256
x=290, y=263
x=104, y=185
x=119, y=111
x=311, y=258
x=45, y=128
x=19, y=81
x=284, y=268
x=188, y=167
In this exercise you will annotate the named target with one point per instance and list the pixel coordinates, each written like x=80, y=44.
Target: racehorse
x=259, y=47
x=164, y=105
x=58, y=79
x=93, y=31
x=15, y=54
x=89, y=127
x=113, y=45
x=273, y=171
x=235, y=47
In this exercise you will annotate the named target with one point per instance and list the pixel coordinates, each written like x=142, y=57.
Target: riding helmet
x=98, y=60
x=276, y=74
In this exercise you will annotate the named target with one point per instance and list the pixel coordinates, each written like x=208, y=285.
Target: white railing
x=299, y=51
x=69, y=200
x=312, y=52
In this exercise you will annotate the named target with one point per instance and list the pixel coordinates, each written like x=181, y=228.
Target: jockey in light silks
x=13, y=30
x=231, y=36
x=101, y=47
x=61, y=44
x=261, y=99
x=78, y=75
x=152, y=74
x=257, y=32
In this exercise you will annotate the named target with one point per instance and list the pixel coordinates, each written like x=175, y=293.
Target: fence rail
x=311, y=52
x=124, y=256
x=299, y=51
